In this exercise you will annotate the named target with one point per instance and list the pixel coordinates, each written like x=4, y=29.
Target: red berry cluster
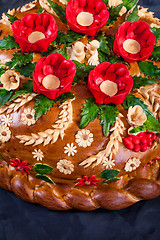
x=139, y=142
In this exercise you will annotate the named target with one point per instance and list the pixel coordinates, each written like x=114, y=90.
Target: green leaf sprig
x=156, y=32
x=133, y=16
x=11, y=18
x=43, y=104
x=114, y=14
x=43, y=170
x=156, y=53
x=129, y=4
x=61, y=13
x=8, y=43
x=110, y=175
x=26, y=88
x=140, y=81
x=106, y=113
x=149, y=69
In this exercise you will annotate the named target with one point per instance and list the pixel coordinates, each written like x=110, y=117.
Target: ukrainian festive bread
x=80, y=103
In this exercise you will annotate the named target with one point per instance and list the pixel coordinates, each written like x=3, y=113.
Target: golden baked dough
x=56, y=140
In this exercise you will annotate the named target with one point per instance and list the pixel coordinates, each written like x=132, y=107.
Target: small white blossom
x=5, y=134
x=38, y=154
x=70, y=149
x=65, y=166
x=132, y=164
x=108, y=163
x=6, y=120
x=84, y=138
x=27, y=116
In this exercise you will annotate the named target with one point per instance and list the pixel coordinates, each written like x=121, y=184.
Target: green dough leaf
x=89, y=112
x=68, y=38
x=103, y=43
x=4, y=96
x=40, y=10
x=50, y=50
x=19, y=59
x=106, y=2
x=140, y=81
x=111, y=180
x=108, y=114
x=61, y=13
x=42, y=168
x=156, y=53
x=26, y=70
x=114, y=14
x=64, y=97
x=42, y=105
x=1, y=156
x=129, y=4
x=133, y=16
x=149, y=69
x=1, y=71
x=109, y=173
x=8, y=43
x=103, y=50
x=27, y=88
x=82, y=72
x=11, y=18
x=156, y=32
x=44, y=177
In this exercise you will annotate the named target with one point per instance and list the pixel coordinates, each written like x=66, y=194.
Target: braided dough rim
x=107, y=197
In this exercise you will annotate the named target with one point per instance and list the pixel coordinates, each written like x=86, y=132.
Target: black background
x=20, y=220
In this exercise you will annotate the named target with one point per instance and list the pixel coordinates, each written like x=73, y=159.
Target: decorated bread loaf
x=80, y=103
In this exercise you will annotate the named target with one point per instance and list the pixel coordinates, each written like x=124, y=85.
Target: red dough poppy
x=134, y=41
x=87, y=181
x=35, y=32
x=20, y=166
x=86, y=16
x=53, y=75
x=110, y=83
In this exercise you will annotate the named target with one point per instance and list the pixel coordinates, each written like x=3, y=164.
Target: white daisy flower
x=38, y=154
x=84, y=138
x=5, y=134
x=65, y=166
x=70, y=149
x=132, y=164
x=6, y=120
x=27, y=116
x=108, y=163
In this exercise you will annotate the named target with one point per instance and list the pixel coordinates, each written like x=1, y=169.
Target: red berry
x=135, y=140
x=143, y=140
x=141, y=134
x=127, y=140
x=154, y=137
x=144, y=148
x=149, y=135
x=137, y=148
x=149, y=143
x=130, y=146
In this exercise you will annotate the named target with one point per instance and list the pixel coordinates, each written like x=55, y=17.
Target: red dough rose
x=86, y=16
x=35, y=32
x=110, y=83
x=134, y=41
x=53, y=75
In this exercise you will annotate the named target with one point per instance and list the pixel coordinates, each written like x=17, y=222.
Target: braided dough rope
x=63, y=196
